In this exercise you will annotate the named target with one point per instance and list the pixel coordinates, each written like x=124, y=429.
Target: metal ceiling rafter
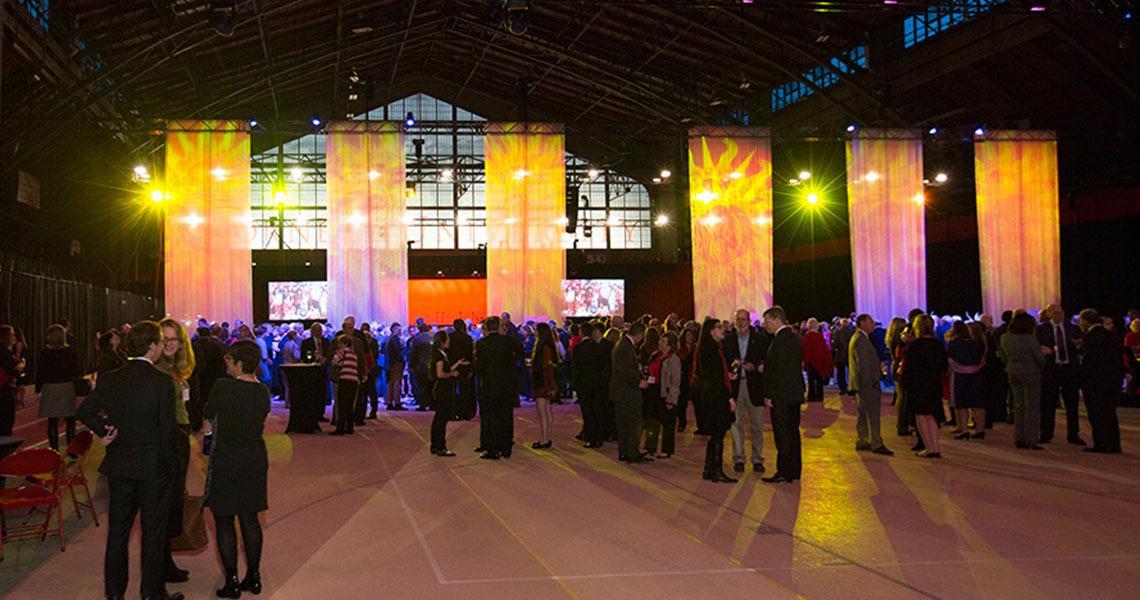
x=400, y=50
x=268, y=58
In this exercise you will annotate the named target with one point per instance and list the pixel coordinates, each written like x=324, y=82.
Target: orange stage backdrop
x=368, y=251
x=207, y=221
x=1019, y=231
x=444, y=300
x=886, y=207
x=526, y=198
x=730, y=182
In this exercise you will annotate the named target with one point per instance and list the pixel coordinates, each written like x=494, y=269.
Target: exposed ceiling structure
x=626, y=77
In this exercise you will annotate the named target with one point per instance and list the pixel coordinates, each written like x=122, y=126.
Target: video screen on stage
x=298, y=300
x=593, y=297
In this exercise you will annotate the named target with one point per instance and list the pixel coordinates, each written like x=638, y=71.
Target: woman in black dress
x=922, y=368
x=57, y=372
x=714, y=388
x=109, y=357
x=236, y=479
x=11, y=369
x=443, y=391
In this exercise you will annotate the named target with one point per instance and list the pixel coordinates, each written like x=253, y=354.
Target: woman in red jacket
x=817, y=360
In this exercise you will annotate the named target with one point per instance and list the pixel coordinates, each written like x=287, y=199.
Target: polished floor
x=376, y=516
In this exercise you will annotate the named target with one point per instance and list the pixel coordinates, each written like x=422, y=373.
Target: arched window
x=445, y=170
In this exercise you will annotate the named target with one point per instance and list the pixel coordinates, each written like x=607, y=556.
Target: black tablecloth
x=305, y=388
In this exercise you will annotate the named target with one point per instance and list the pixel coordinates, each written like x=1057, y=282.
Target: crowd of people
x=153, y=386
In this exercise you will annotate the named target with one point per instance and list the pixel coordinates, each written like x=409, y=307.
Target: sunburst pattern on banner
x=886, y=206
x=730, y=186
x=368, y=250
x=526, y=199
x=208, y=270
x=1019, y=228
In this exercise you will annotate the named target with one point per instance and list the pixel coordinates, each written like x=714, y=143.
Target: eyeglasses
x=172, y=340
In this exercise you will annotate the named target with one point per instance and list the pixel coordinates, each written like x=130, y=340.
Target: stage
x=375, y=516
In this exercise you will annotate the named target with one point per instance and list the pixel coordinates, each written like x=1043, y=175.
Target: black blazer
x=1102, y=368
x=625, y=372
x=462, y=348
x=309, y=346
x=209, y=361
x=590, y=367
x=783, y=368
x=138, y=400
x=712, y=389
x=495, y=358
x=1045, y=335
x=757, y=350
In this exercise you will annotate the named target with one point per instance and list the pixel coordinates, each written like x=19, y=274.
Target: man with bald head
x=1058, y=339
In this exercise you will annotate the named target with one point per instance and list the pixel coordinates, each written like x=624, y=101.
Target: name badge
x=185, y=394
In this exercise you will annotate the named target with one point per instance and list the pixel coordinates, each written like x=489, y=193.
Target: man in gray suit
x=626, y=384
x=866, y=370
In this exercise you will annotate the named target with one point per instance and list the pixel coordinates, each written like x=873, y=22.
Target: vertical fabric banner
x=886, y=209
x=208, y=261
x=1019, y=229
x=368, y=237
x=730, y=187
x=526, y=201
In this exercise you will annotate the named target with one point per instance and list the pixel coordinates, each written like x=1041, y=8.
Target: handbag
x=193, y=536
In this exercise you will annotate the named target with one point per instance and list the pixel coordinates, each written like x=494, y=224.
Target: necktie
x=1062, y=350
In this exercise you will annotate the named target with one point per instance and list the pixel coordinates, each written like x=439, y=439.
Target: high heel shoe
x=965, y=435
x=232, y=589
x=251, y=583
x=720, y=477
x=541, y=445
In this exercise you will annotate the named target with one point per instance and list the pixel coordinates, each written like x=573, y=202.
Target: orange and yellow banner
x=208, y=268
x=730, y=184
x=526, y=203
x=1019, y=229
x=886, y=207
x=368, y=249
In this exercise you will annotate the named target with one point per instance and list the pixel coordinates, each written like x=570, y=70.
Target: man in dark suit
x=590, y=366
x=419, y=357
x=1101, y=373
x=495, y=357
x=316, y=349
x=1060, y=375
x=209, y=367
x=140, y=429
x=463, y=348
x=784, y=387
x=372, y=349
x=840, y=343
x=744, y=349
x=394, y=353
x=626, y=384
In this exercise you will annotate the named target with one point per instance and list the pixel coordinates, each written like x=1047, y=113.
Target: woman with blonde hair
x=177, y=360
x=57, y=373
x=896, y=345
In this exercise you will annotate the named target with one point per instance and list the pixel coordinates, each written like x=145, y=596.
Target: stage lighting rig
x=410, y=120
x=518, y=15
x=222, y=16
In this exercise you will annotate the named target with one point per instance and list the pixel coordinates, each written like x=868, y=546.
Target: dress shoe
x=919, y=447
x=721, y=478
x=925, y=454
x=883, y=450
x=777, y=478
x=119, y=597
x=758, y=467
x=1077, y=441
x=593, y=445
x=489, y=456
x=251, y=583
x=443, y=452
x=373, y=416
x=862, y=447
x=541, y=445
x=231, y=589
x=479, y=449
x=640, y=459
x=965, y=435
x=1025, y=446
x=580, y=437
x=176, y=575
x=738, y=467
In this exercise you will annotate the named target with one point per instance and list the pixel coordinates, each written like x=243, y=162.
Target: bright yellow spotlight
x=919, y=199
x=805, y=175
x=735, y=175
x=812, y=198
x=871, y=176
x=279, y=197
x=941, y=178
x=156, y=195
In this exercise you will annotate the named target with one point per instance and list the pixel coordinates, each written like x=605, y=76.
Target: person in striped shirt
x=346, y=372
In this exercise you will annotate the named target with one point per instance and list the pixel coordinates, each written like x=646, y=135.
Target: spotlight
x=812, y=198
x=157, y=196
x=308, y=264
x=666, y=173
x=410, y=119
x=279, y=198
x=941, y=178
x=352, y=97
x=919, y=199
x=805, y=175
x=706, y=196
x=315, y=120
x=193, y=220
x=445, y=175
x=850, y=128
x=661, y=220
x=521, y=174
x=793, y=182
x=221, y=16
x=763, y=220
x=518, y=17
x=592, y=173
x=141, y=171
x=979, y=132
x=735, y=175
x=373, y=175
x=933, y=131
x=296, y=174
x=656, y=180
x=1037, y=8
x=220, y=174
x=710, y=221
x=871, y=176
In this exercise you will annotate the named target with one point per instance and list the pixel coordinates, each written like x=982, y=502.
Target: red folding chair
x=27, y=466
x=73, y=475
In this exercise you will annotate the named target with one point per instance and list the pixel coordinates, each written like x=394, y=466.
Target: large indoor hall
x=596, y=299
